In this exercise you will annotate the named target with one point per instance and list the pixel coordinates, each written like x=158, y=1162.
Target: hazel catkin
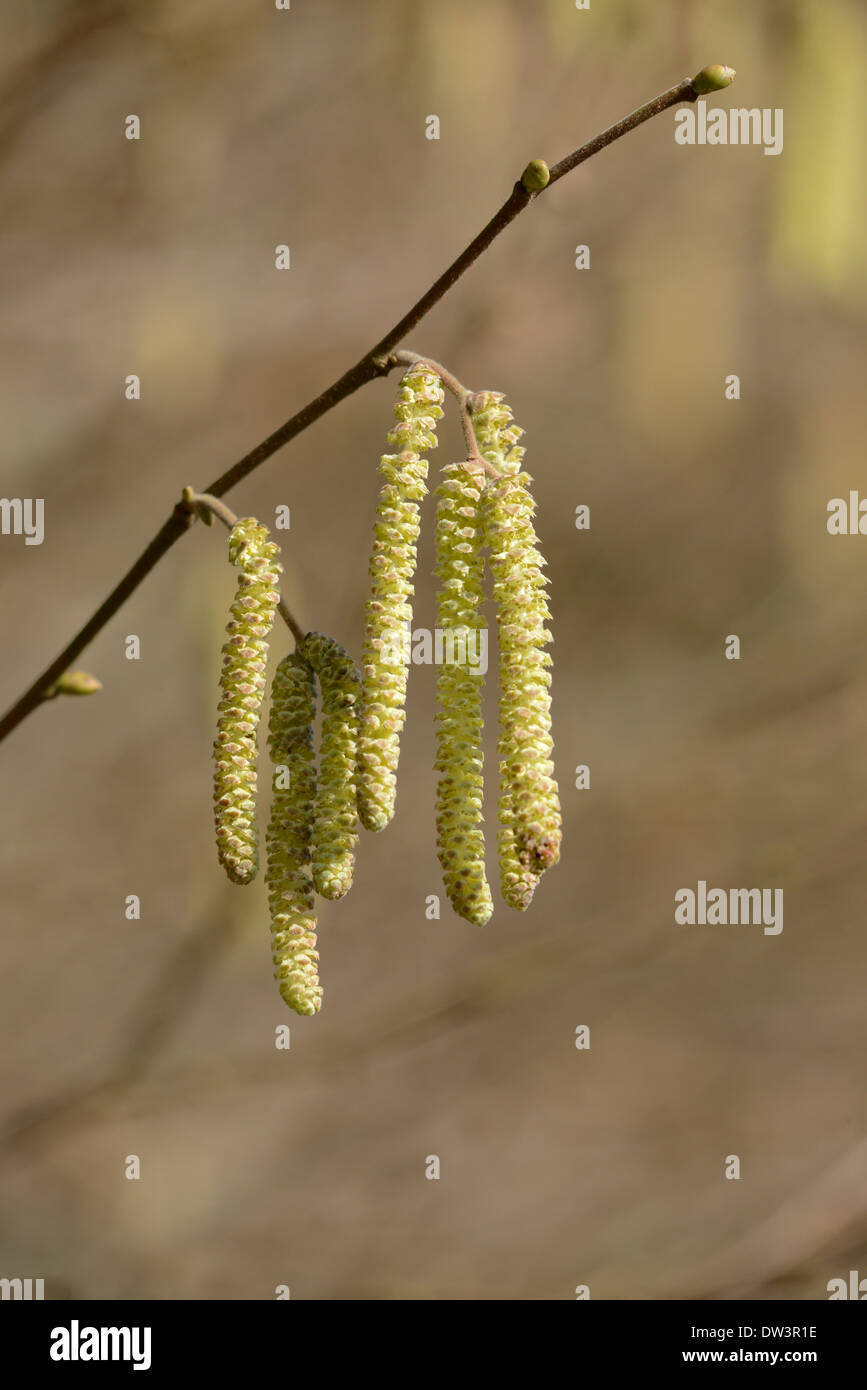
x=496, y=433
x=288, y=837
x=459, y=761
x=388, y=620
x=529, y=808
x=335, y=824
x=242, y=686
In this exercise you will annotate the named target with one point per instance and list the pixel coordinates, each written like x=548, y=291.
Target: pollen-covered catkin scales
x=496, y=433
x=385, y=656
x=242, y=685
x=529, y=807
x=287, y=841
x=460, y=838
x=335, y=826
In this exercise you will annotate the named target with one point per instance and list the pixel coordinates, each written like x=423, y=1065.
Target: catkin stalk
x=388, y=621
x=460, y=838
x=242, y=685
x=335, y=827
x=288, y=838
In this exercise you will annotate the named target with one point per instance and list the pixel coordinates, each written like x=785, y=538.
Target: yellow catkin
x=496, y=433
x=287, y=842
x=335, y=828
x=459, y=565
x=388, y=620
x=529, y=808
x=242, y=686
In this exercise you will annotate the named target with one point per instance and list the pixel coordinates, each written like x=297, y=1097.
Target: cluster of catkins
x=479, y=510
x=312, y=833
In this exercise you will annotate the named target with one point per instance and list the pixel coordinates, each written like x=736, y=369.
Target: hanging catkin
x=496, y=433
x=335, y=827
x=460, y=838
x=385, y=658
x=242, y=685
x=529, y=807
x=287, y=841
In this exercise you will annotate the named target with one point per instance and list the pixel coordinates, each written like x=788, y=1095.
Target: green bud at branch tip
x=536, y=176
x=75, y=683
x=713, y=79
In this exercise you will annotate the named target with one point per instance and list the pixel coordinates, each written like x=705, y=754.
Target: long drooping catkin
x=335, y=826
x=287, y=841
x=385, y=657
x=460, y=838
x=529, y=807
x=242, y=685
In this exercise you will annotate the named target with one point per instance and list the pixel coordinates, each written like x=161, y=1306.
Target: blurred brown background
x=156, y=1037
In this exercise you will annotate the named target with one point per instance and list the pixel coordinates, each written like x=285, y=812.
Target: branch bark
x=375, y=363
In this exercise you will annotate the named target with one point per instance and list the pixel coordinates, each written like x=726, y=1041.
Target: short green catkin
x=242, y=685
x=529, y=807
x=388, y=623
x=288, y=838
x=460, y=566
x=335, y=826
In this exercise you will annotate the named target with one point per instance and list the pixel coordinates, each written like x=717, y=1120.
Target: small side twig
x=463, y=396
x=201, y=503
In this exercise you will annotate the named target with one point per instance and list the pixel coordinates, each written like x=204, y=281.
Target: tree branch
x=375, y=363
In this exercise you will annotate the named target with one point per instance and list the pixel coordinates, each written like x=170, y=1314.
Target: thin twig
x=683, y=91
x=375, y=363
x=199, y=501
